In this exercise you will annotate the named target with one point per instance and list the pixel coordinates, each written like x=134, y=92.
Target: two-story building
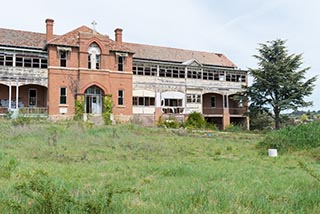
x=45, y=74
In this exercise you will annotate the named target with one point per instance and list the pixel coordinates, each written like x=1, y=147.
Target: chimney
x=118, y=35
x=49, y=29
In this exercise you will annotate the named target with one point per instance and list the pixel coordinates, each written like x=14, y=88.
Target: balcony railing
x=237, y=111
x=30, y=111
x=219, y=111
x=210, y=110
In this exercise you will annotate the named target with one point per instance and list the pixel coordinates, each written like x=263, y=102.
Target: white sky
x=231, y=27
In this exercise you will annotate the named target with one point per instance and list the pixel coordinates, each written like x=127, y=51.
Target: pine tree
x=278, y=82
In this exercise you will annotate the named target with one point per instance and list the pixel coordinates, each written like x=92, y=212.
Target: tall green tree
x=278, y=83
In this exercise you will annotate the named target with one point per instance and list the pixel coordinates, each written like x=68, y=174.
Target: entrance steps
x=95, y=119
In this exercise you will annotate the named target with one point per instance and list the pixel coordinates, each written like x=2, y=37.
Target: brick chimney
x=118, y=35
x=49, y=29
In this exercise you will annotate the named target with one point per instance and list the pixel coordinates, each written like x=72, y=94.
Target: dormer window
x=63, y=59
x=63, y=55
x=121, y=60
x=120, y=63
x=94, y=56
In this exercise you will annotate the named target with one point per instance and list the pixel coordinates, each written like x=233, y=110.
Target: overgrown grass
x=74, y=168
x=292, y=138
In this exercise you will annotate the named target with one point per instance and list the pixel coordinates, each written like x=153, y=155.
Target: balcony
x=212, y=111
x=237, y=111
x=27, y=111
x=219, y=111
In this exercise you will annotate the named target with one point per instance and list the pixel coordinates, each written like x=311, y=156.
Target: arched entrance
x=93, y=100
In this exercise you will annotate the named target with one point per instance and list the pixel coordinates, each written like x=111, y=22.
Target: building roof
x=71, y=39
x=178, y=55
x=20, y=38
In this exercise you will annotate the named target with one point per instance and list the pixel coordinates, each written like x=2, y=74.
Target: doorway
x=93, y=100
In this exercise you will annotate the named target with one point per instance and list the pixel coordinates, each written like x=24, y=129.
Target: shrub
x=196, y=120
x=171, y=122
x=79, y=108
x=303, y=136
x=107, y=109
x=235, y=128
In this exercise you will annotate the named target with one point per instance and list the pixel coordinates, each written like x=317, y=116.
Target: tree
x=278, y=82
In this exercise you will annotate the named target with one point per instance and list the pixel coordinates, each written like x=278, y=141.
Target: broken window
x=193, y=98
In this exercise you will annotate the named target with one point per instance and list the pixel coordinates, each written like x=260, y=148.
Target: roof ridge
x=23, y=31
x=173, y=48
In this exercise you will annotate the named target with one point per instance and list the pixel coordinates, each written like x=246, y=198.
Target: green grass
x=74, y=168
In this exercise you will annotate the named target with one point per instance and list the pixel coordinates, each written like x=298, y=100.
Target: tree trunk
x=277, y=119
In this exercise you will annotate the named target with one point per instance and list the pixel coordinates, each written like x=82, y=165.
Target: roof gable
x=70, y=38
x=192, y=62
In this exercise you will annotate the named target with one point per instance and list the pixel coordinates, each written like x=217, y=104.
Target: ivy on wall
x=79, y=107
x=107, y=109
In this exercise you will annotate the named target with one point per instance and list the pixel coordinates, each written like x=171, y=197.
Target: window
x=32, y=97
x=97, y=61
x=94, y=59
x=173, y=102
x=9, y=60
x=120, y=63
x=213, y=102
x=1, y=59
x=63, y=58
x=63, y=95
x=120, y=97
x=44, y=63
x=19, y=61
x=143, y=101
x=193, y=98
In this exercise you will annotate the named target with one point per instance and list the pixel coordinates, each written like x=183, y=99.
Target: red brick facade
x=77, y=77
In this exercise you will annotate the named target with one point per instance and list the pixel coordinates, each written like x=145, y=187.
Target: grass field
x=75, y=168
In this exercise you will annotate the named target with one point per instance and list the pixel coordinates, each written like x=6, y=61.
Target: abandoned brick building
x=43, y=74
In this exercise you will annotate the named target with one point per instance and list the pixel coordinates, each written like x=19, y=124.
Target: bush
x=304, y=136
x=107, y=109
x=235, y=128
x=171, y=122
x=196, y=120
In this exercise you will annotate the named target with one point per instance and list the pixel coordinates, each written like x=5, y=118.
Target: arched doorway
x=93, y=100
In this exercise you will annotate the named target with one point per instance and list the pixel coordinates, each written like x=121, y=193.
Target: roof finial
x=94, y=24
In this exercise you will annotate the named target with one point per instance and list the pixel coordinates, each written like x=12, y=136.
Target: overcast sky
x=234, y=28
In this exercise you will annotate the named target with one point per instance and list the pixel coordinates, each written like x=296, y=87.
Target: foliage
x=171, y=122
x=303, y=136
x=40, y=193
x=235, y=128
x=260, y=120
x=20, y=121
x=107, y=109
x=196, y=120
x=79, y=108
x=304, y=118
x=278, y=82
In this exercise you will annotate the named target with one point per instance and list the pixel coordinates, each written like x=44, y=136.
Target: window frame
x=120, y=97
x=63, y=97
